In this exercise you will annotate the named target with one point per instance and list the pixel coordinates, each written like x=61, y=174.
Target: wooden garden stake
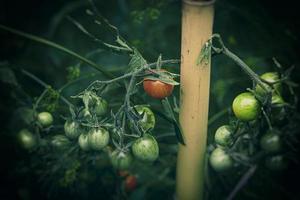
x=197, y=23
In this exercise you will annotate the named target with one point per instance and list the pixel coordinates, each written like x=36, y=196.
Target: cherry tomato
x=60, y=142
x=223, y=135
x=98, y=138
x=121, y=160
x=246, y=107
x=148, y=120
x=272, y=78
x=220, y=160
x=72, y=129
x=100, y=107
x=130, y=183
x=276, y=163
x=271, y=141
x=157, y=89
x=26, y=139
x=45, y=119
x=146, y=148
x=83, y=141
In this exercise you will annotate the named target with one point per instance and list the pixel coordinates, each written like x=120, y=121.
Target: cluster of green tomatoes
x=247, y=108
x=83, y=132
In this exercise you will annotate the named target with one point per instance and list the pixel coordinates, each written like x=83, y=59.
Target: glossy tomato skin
x=98, y=138
x=148, y=120
x=157, y=89
x=146, y=148
x=271, y=142
x=246, y=107
x=72, y=129
x=26, y=139
x=83, y=141
x=224, y=136
x=121, y=160
x=220, y=160
x=272, y=78
x=130, y=183
x=45, y=119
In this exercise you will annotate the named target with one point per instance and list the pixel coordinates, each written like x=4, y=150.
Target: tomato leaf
x=162, y=79
x=137, y=60
x=8, y=76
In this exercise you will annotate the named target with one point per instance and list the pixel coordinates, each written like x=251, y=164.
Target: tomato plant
x=224, y=135
x=246, y=107
x=220, y=160
x=72, y=129
x=98, y=138
x=45, y=119
x=121, y=160
x=146, y=148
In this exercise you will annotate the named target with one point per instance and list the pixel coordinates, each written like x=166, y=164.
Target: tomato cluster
x=249, y=109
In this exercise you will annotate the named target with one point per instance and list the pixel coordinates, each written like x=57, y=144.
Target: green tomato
x=146, y=148
x=26, y=139
x=276, y=163
x=100, y=107
x=148, y=120
x=246, y=107
x=83, y=142
x=98, y=138
x=271, y=142
x=72, y=129
x=277, y=100
x=121, y=160
x=60, y=142
x=223, y=135
x=272, y=78
x=220, y=160
x=45, y=119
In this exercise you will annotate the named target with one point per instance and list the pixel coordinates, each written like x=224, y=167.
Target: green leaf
x=162, y=79
x=8, y=76
x=137, y=60
x=205, y=52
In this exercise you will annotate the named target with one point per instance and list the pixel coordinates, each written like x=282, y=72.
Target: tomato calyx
x=162, y=76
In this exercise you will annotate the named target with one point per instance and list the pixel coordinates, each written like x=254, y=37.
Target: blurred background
x=255, y=30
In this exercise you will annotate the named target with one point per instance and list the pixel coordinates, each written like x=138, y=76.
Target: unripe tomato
x=121, y=160
x=130, y=183
x=98, y=138
x=276, y=163
x=271, y=142
x=246, y=107
x=220, y=160
x=83, y=141
x=100, y=107
x=26, y=139
x=45, y=119
x=277, y=100
x=72, y=129
x=272, y=78
x=157, y=89
x=60, y=142
x=148, y=120
x=146, y=148
x=223, y=135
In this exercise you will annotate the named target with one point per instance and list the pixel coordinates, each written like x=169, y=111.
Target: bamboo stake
x=197, y=22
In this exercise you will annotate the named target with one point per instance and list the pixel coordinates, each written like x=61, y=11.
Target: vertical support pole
x=197, y=23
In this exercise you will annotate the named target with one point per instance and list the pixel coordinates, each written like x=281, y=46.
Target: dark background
x=256, y=30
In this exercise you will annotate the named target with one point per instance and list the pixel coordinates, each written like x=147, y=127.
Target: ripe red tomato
x=130, y=183
x=157, y=89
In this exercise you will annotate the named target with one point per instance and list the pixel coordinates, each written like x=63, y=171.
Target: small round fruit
x=26, y=139
x=277, y=100
x=60, y=142
x=72, y=129
x=121, y=160
x=276, y=163
x=98, y=138
x=130, y=183
x=246, y=107
x=271, y=142
x=157, y=89
x=146, y=148
x=272, y=78
x=223, y=135
x=100, y=107
x=148, y=120
x=220, y=160
x=45, y=119
x=83, y=141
